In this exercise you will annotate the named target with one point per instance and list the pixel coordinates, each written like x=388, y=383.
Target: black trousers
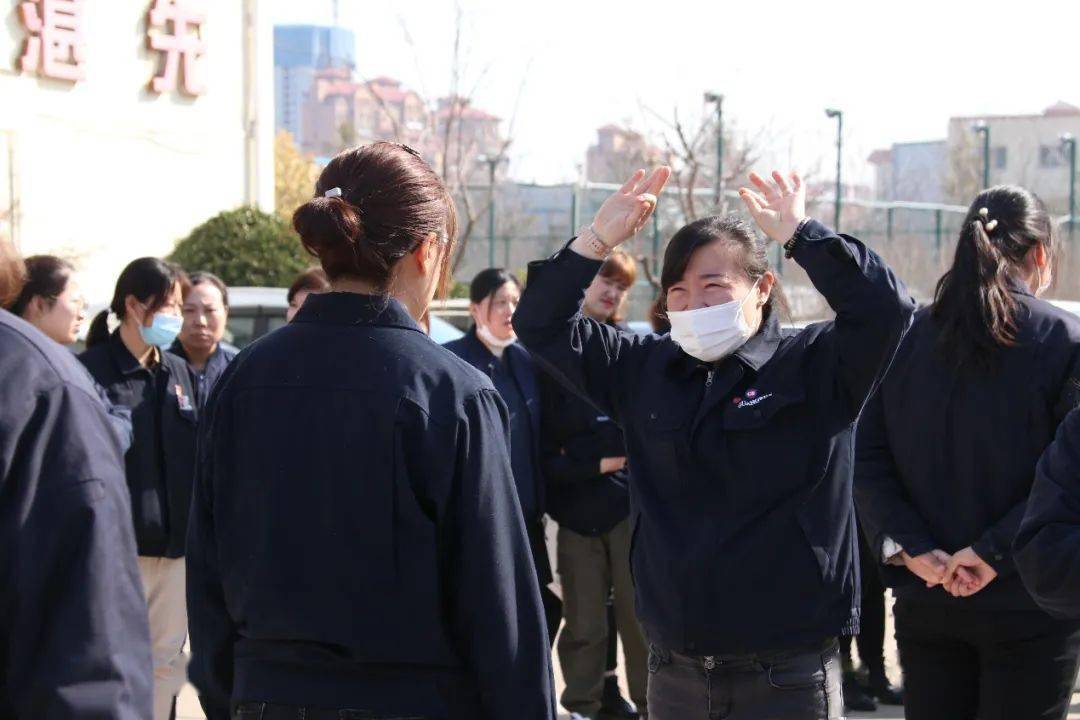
x=799, y=684
x=871, y=637
x=968, y=664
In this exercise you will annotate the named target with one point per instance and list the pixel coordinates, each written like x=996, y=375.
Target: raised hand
x=967, y=573
x=624, y=214
x=777, y=206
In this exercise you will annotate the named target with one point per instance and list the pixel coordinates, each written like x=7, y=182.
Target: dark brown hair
x=390, y=202
x=12, y=273
x=313, y=280
x=973, y=304
x=46, y=277
x=207, y=278
x=151, y=280
x=733, y=232
x=658, y=315
x=487, y=283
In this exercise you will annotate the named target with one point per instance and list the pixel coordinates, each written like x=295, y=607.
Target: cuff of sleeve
x=916, y=546
x=576, y=267
x=992, y=555
x=815, y=231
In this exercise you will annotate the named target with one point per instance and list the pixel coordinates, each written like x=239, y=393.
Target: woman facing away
x=738, y=436
x=357, y=548
x=947, y=453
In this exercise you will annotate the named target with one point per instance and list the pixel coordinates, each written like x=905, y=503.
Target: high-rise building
x=301, y=51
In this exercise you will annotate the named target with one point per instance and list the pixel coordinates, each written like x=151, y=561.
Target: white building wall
x=105, y=170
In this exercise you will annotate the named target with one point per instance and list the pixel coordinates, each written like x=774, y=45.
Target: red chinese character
x=185, y=41
x=56, y=42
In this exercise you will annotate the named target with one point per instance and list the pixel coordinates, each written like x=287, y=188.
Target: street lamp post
x=492, y=161
x=718, y=188
x=1068, y=140
x=839, y=115
x=983, y=129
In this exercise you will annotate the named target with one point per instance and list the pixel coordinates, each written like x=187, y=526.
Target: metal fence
x=916, y=239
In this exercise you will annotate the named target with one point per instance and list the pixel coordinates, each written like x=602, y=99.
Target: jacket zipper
x=708, y=379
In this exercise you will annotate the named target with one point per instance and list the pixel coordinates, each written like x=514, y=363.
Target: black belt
x=270, y=711
x=767, y=657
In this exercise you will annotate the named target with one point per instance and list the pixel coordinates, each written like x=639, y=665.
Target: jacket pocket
x=665, y=439
x=751, y=413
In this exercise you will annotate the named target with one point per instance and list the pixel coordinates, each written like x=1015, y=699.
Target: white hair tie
x=333, y=192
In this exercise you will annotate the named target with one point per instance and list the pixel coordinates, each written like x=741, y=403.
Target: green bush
x=244, y=247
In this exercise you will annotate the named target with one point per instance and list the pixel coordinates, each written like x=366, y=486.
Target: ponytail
x=98, y=332
x=974, y=303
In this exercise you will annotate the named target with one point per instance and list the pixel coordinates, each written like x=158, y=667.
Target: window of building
x=1000, y=158
x=1051, y=156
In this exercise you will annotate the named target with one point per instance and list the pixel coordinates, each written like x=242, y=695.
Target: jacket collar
x=344, y=308
x=218, y=357
x=125, y=361
x=754, y=353
x=1018, y=286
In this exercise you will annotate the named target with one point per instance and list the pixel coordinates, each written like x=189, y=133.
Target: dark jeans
x=786, y=685
x=268, y=711
x=965, y=663
x=871, y=637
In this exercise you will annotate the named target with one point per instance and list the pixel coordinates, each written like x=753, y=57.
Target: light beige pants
x=164, y=582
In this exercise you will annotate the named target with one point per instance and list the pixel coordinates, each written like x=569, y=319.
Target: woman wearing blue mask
x=740, y=436
x=137, y=372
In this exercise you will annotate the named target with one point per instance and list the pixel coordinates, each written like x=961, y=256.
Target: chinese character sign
x=55, y=46
x=175, y=29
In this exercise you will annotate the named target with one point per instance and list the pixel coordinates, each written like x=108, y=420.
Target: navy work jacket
x=946, y=455
x=576, y=436
x=470, y=349
x=205, y=379
x=73, y=628
x=160, y=462
x=741, y=471
x=356, y=540
x=1047, y=547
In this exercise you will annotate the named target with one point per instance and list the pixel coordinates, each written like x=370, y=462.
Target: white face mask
x=711, y=333
x=489, y=339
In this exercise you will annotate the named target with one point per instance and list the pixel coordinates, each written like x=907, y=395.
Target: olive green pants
x=588, y=569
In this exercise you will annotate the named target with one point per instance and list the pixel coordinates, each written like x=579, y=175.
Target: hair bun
x=325, y=223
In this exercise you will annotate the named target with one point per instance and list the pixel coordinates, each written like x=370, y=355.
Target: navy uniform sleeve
x=885, y=508
x=873, y=308
x=560, y=468
x=209, y=624
x=1047, y=547
x=497, y=617
x=596, y=360
x=119, y=419
x=74, y=615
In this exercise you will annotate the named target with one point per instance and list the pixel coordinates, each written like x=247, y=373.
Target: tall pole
x=839, y=115
x=1069, y=140
x=983, y=129
x=492, y=162
x=718, y=187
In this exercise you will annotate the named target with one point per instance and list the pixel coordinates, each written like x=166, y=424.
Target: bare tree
x=691, y=152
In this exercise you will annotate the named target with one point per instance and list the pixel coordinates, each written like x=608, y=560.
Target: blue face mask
x=162, y=331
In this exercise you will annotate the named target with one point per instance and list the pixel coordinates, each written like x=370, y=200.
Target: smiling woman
x=738, y=435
